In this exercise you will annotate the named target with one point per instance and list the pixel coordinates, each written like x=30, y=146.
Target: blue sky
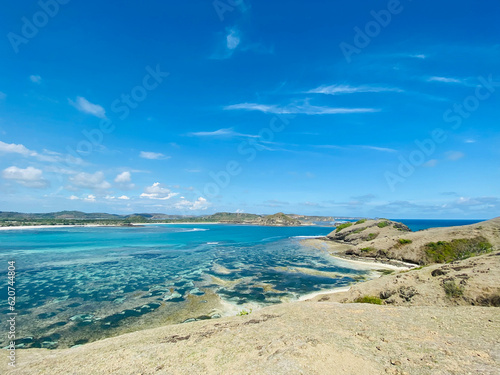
x=380, y=108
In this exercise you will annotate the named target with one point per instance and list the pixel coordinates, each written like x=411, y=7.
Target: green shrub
x=369, y=299
x=244, y=312
x=453, y=290
x=367, y=249
x=403, y=241
x=359, y=230
x=383, y=224
x=372, y=236
x=343, y=226
x=386, y=272
x=445, y=252
x=360, y=221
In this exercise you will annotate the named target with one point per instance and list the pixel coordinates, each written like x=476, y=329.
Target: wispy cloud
x=444, y=79
x=454, y=155
x=153, y=155
x=45, y=156
x=351, y=147
x=347, y=89
x=233, y=39
x=375, y=148
x=221, y=133
x=94, y=181
x=2, y=95
x=36, y=79
x=83, y=105
x=305, y=109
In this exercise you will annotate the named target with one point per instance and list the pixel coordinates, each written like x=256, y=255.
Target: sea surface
x=76, y=285
x=416, y=225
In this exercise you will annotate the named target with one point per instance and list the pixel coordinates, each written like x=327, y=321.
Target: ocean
x=76, y=285
x=419, y=224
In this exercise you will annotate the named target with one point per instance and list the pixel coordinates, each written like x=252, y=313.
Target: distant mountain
x=78, y=217
x=279, y=219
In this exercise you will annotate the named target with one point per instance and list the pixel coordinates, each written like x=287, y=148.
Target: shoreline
x=21, y=227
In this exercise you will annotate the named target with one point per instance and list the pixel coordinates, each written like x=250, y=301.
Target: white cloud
x=29, y=177
x=305, y=109
x=74, y=198
x=381, y=149
x=444, y=80
x=123, y=177
x=45, y=156
x=221, y=133
x=124, y=197
x=16, y=149
x=59, y=170
x=90, y=198
x=124, y=180
x=431, y=163
x=36, y=79
x=454, y=155
x=199, y=204
x=83, y=105
x=346, y=89
x=470, y=141
x=153, y=155
x=232, y=39
x=94, y=181
x=156, y=191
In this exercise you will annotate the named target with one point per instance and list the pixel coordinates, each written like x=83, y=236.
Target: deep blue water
x=416, y=225
x=76, y=285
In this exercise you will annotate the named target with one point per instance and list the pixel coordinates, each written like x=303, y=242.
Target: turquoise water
x=76, y=285
x=420, y=224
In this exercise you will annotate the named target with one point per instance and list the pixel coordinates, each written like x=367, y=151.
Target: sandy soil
x=297, y=338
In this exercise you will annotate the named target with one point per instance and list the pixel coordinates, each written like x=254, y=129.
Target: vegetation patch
x=343, y=226
x=244, y=312
x=372, y=236
x=453, y=290
x=383, y=224
x=458, y=249
x=403, y=241
x=367, y=249
x=360, y=221
x=359, y=230
x=386, y=272
x=369, y=299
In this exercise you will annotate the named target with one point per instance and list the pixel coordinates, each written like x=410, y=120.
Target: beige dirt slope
x=419, y=329
x=297, y=338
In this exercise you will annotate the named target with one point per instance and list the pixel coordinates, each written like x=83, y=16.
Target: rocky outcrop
x=386, y=239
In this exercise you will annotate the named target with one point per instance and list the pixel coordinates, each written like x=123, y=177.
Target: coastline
x=22, y=227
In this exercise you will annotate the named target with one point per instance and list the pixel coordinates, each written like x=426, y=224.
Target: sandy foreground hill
x=438, y=319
